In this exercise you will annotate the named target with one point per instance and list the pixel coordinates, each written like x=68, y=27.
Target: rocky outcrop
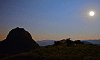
x=18, y=40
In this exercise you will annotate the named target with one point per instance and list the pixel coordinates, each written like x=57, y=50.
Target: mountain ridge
x=50, y=42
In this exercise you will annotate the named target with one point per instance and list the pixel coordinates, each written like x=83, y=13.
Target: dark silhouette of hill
x=61, y=52
x=68, y=42
x=18, y=40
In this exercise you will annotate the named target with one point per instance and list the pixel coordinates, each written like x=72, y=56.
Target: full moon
x=91, y=13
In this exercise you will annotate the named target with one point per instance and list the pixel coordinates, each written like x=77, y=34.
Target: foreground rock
x=18, y=40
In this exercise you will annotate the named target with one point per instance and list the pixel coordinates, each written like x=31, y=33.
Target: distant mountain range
x=46, y=42
x=93, y=41
x=50, y=42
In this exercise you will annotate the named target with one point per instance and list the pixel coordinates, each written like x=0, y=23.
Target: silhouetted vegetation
x=68, y=42
x=20, y=46
x=57, y=43
x=78, y=42
x=60, y=52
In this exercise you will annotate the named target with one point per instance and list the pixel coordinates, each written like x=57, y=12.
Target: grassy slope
x=61, y=52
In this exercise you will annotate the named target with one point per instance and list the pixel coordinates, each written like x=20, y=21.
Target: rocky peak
x=18, y=33
x=18, y=40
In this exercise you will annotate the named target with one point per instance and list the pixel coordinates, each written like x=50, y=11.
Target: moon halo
x=91, y=13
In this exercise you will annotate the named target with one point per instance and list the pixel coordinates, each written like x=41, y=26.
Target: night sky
x=51, y=19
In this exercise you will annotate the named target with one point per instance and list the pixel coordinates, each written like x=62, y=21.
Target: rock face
x=18, y=40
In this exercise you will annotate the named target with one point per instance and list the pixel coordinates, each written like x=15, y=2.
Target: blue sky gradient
x=51, y=19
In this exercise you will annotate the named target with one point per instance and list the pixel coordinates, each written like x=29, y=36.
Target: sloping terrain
x=61, y=52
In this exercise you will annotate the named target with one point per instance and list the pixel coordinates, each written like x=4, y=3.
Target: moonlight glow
x=91, y=13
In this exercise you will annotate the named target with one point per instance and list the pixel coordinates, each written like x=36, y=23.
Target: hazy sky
x=51, y=19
